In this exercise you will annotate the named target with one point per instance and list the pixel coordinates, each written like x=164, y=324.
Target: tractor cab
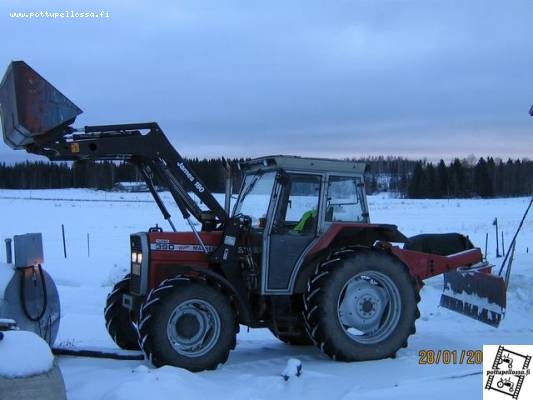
x=291, y=202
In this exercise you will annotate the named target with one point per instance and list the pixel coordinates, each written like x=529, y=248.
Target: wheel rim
x=369, y=307
x=193, y=328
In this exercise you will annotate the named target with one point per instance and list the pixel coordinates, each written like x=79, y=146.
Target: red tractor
x=297, y=255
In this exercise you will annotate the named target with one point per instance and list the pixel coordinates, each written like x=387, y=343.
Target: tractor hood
x=31, y=109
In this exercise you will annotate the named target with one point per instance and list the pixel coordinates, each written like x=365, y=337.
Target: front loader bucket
x=31, y=108
x=476, y=294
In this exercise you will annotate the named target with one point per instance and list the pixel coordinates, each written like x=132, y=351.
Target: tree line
x=483, y=177
x=486, y=178
x=102, y=175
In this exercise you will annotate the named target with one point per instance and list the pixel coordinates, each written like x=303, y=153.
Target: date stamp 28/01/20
x=450, y=357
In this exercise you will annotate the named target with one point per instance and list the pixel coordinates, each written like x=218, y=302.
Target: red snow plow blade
x=476, y=293
x=31, y=108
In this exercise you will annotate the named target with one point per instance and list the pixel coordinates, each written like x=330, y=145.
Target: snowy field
x=253, y=369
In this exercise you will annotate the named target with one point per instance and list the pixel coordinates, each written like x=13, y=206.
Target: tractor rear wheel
x=118, y=319
x=361, y=305
x=188, y=324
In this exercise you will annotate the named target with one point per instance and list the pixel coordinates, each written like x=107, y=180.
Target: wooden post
x=64, y=242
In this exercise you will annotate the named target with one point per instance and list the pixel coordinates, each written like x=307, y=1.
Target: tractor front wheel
x=361, y=305
x=188, y=324
x=118, y=319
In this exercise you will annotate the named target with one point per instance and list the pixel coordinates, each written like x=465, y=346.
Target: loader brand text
x=60, y=14
x=447, y=357
x=190, y=177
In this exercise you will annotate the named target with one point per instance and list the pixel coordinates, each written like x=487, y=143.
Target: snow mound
x=293, y=368
x=23, y=354
x=165, y=383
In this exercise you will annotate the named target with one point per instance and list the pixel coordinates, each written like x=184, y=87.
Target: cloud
x=438, y=78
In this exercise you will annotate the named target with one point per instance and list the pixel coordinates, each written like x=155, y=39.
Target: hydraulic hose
x=23, y=297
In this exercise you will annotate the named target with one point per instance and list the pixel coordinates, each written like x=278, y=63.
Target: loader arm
x=146, y=146
x=37, y=117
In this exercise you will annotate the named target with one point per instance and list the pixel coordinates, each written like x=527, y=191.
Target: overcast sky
x=320, y=78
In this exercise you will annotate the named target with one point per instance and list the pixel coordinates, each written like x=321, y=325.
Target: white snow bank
x=23, y=353
x=165, y=383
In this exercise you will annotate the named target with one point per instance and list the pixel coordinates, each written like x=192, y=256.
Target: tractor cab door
x=293, y=228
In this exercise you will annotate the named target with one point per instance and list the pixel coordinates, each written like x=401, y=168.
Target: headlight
x=136, y=257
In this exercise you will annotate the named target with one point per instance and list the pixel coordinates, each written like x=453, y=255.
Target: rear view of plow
x=478, y=293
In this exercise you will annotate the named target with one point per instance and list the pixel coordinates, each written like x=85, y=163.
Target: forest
x=460, y=178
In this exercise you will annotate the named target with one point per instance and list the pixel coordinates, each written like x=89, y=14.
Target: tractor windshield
x=255, y=196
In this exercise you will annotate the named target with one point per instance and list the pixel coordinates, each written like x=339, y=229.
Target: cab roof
x=295, y=163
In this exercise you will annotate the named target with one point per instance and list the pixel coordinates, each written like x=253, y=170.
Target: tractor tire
x=187, y=323
x=360, y=305
x=300, y=337
x=118, y=319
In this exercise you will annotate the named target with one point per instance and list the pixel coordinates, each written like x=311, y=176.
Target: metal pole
x=64, y=242
x=510, y=264
x=497, y=239
x=197, y=235
x=486, y=243
x=503, y=246
x=516, y=234
x=9, y=251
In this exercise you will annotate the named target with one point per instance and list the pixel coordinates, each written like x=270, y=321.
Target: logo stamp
x=506, y=372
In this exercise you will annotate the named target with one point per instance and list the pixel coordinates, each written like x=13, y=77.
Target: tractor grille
x=135, y=284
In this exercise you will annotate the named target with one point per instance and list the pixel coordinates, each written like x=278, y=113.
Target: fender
x=242, y=306
x=343, y=234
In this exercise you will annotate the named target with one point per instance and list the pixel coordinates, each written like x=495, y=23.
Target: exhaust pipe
x=9, y=251
x=228, y=186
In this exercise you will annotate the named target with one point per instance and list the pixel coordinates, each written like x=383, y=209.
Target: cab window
x=298, y=207
x=344, y=199
x=255, y=196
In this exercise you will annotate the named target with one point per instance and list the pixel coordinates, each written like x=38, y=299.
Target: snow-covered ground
x=253, y=370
